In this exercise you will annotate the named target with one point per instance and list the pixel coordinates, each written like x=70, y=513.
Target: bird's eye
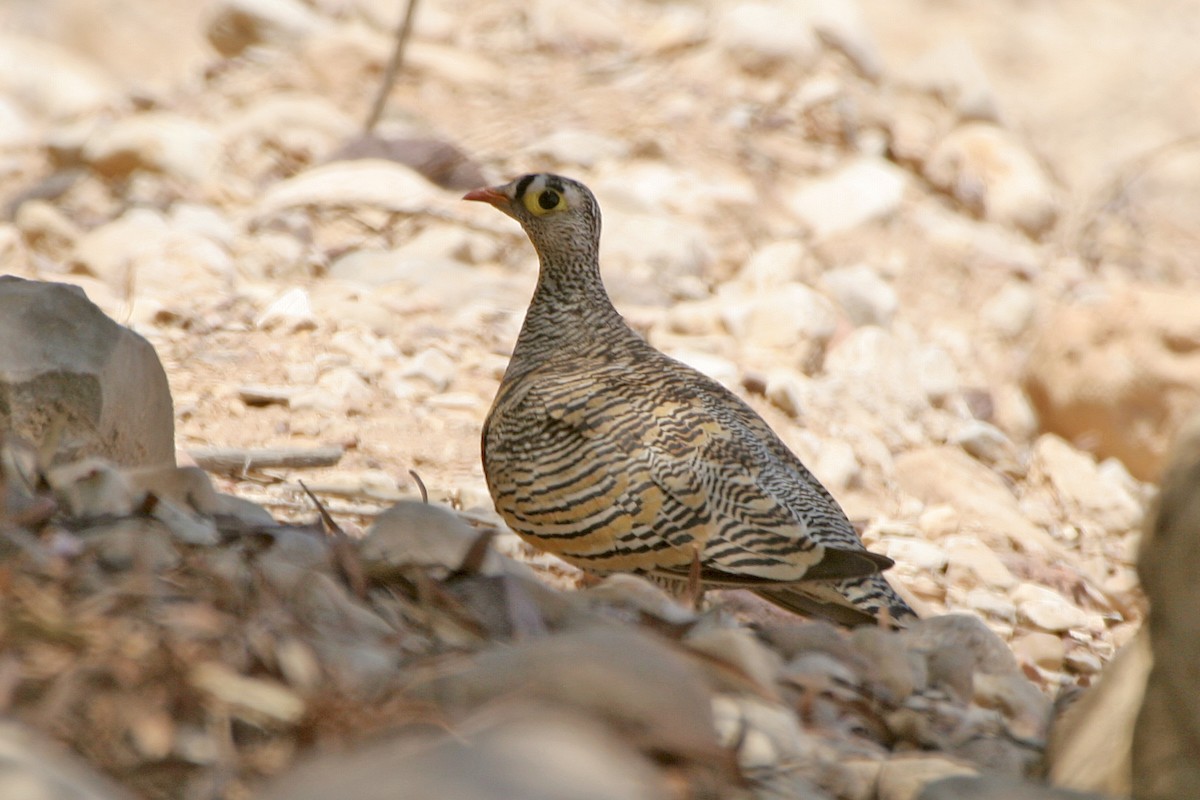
x=544, y=201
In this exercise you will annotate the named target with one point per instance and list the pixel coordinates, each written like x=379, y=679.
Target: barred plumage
x=615, y=457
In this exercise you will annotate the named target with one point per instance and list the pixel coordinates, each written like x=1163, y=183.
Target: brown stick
x=393, y=68
x=236, y=460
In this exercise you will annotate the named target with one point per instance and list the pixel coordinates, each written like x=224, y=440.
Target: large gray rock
x=65, y=363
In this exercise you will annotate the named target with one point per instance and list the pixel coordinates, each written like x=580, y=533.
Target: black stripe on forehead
x=523, y=184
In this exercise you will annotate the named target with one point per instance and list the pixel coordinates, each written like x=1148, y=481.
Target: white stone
x=1102, y=496
x=787, y=390
x=781, y=318
x=432, y=366
x=937, y=373
x=842, y=24
x=155, y=141
x=1010, y=312
x=954, y=73
x=991, y=173
x=836, y=465
x=290, y=311
x=774, y=265
x=236, y=25
x=972, y=562
x=914, y=554
x=985, y=442
x=49, y=81
x=1046, y=609
x=578, y=147
x=346, y=184
x=761, y=36
x=1044, y=650
x=866, y=298
x=861, y=191
x=990, y=603
x=721, y=370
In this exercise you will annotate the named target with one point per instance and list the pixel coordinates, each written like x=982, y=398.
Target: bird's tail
x=852, y=602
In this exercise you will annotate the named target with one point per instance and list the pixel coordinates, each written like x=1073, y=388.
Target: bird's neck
x=571, y=309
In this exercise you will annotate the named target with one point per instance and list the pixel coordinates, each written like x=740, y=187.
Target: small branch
x=393, y=68
x=235, y=460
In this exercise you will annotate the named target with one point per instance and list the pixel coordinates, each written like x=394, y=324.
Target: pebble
x=787, y=390
x=156, y=141
x=866, y=298
x=1083, y=662
x=779, y=319
x=971, y=562
x=774, y=265
x=836, y=465
x=992, y=174
x=1092, y=493
x=1043, y=650
x=50, y=82
x=289, y=312
x=952, y=72
x=347, y=184
x=915, y=554
x=237, y=25
x=985, y=442
x=1048, y=610
x=990, y=603
x=763, y=36
x=1011, y=311
x=581, y=148
x=433, y=367
x=46, y=229
x=864, y=190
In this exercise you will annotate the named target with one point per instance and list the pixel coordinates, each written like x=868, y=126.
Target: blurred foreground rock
x=1119, y=374
x=188, y=644
x=70, y=373
x=33, y=768
x=1166, y=741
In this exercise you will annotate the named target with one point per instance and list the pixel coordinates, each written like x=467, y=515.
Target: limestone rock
x=953, y=73
x=984, y=501
x=66, y=363
x=236, y=25
x=49, y=81
x=987, y=170
x=494, y=758
x=1119, y=373
x=155, y=141
x=365, y=182
x=761, y=36
x=866, y=298
x=862, y=191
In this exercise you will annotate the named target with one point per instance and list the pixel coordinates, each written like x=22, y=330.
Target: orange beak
x=489, y=194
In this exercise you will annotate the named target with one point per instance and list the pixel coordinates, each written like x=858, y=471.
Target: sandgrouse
x=617, y=458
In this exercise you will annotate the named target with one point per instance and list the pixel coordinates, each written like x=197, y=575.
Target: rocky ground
x=944, y=250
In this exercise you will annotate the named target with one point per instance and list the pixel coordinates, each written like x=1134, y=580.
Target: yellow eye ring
x=545, y=201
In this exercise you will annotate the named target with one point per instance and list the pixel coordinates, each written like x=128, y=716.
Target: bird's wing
x=752, y=522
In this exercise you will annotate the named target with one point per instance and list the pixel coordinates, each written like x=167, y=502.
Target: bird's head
x=560, y=216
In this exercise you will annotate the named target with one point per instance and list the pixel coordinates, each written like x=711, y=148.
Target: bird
x=615, y=457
